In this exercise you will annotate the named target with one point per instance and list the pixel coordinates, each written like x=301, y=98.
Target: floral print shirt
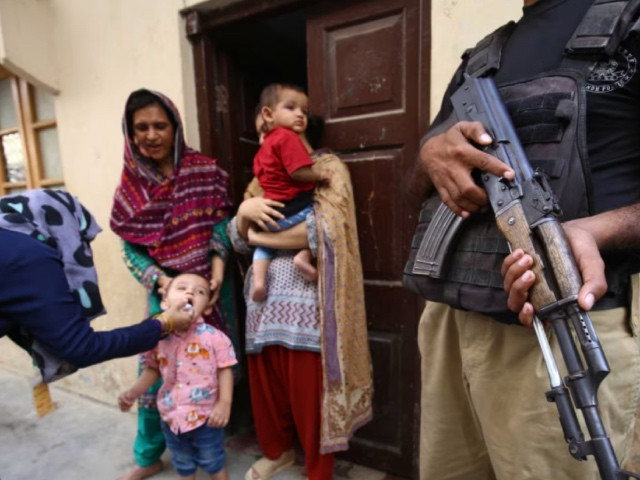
x=189, y=364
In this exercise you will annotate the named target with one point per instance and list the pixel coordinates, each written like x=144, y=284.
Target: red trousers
x=286, y=391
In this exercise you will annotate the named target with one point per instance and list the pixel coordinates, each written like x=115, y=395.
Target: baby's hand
x=126, y=400
x=219, y=416
x=324, y=175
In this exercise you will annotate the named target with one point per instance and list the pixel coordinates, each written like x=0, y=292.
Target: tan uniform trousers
x=484, y=410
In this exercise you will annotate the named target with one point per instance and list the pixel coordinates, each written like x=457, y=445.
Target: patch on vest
x=612, y=74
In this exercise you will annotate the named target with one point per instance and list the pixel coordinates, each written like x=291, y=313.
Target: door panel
x=386, y=354
x=359, y=65
x=376, y=174
x=364, y=78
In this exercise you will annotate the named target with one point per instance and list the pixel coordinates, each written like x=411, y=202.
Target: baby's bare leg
x=260, y=267
x=303, y=263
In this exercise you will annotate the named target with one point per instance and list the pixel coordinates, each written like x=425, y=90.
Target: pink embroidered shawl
x=172, y=216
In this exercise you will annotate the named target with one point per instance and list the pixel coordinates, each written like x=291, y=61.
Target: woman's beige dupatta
x=346, y=361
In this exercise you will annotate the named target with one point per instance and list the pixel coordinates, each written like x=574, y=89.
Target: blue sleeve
x=35, y=295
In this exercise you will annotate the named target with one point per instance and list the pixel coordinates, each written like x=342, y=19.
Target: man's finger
x=590, y=265
x=514, y=266
x=519, y=291
x=594, y=282
x=509, y=260
x=470, y=198
x=526, y=315
x=475, y=132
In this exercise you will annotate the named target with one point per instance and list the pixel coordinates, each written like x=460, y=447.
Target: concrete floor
x=86, y=440
x=83, y=439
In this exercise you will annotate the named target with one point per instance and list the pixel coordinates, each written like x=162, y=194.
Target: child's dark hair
x=140, y=99
x=271, y=93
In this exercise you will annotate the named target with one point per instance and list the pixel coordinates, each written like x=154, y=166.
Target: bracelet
x=166, y=323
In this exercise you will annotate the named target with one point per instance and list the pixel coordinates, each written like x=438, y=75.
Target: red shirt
x=282, y=153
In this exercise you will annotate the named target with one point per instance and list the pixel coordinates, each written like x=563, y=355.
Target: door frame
x=214, y=87
x=210, y=64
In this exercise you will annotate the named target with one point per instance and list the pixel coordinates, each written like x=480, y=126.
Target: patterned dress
x=289, y=316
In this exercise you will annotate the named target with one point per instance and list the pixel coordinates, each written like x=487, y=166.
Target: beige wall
x=101, y=51
x=26, y=47
x=95, y=52
x=457, y=25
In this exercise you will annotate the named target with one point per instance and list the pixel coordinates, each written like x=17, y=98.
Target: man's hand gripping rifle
x=526, y=212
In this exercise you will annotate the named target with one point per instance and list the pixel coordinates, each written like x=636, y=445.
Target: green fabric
x=142, y=266
x=136, y=258
x=149, y=443
x=220, y=243
x=227, y=305
x=145, y=271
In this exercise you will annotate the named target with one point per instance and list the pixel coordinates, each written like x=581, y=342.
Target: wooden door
x=367, y=64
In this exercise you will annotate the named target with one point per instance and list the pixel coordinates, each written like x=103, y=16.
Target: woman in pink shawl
x=170, y=209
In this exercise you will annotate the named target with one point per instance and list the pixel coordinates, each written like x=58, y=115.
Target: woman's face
x=153, y=133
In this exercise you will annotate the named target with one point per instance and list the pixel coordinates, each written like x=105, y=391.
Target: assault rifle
x=527, y=213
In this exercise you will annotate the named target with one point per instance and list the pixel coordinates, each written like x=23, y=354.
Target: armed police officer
x=567, y=72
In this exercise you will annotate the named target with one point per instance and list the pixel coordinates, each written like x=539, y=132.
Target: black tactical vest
x=549, y=114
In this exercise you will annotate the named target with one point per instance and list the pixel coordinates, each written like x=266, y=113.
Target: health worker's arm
x=35, y=295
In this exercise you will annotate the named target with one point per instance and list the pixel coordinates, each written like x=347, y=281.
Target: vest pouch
x=547, y=112
x=470, y=280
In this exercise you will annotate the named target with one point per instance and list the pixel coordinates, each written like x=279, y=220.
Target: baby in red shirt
x=285, y=172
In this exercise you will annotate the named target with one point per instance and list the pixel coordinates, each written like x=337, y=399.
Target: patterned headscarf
x=59, y=220
x=172, y=216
